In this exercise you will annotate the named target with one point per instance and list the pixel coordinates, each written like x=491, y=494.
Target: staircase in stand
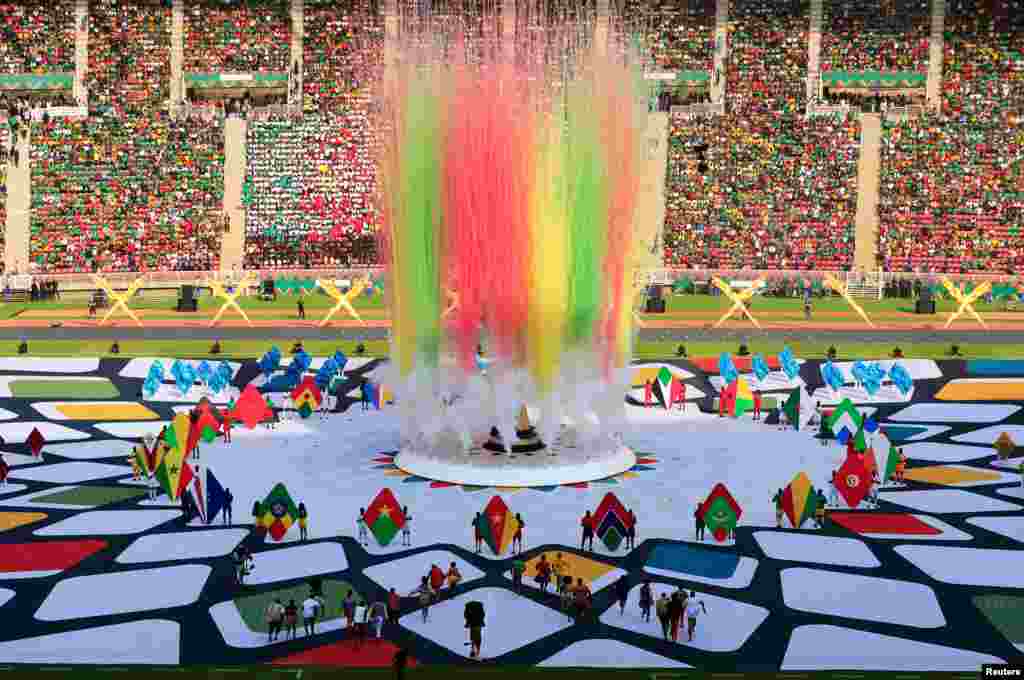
x=866, y=244
x=721, y=51
x=81, y=51
x=177, y=54
x=936, y=49
x=295, y=93
x=814, y=49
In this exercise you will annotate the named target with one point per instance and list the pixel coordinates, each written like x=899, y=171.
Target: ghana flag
x=498, y=525
x=384, y=517
x=279, y=512
x=797, y=500
x=721, y=512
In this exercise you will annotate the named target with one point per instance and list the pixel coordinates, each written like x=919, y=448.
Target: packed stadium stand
x=129, y=55
x=139, y=185
x=244, y=37
x=126, y=194
x=37, y=36
x=309, y=191
x=779, y=192
x=876, y=35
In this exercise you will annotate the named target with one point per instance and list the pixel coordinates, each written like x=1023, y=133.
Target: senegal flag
x=743, y=399
x=279, y=512
x=174, y=474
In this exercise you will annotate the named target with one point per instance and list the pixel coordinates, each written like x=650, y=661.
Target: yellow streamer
x=218, y=290
x=120, y=300
x=966, y=301
x=843, y=290
x=739, y=299
x=342, y=300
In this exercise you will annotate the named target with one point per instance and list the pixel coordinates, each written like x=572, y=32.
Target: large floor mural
x=93, y=569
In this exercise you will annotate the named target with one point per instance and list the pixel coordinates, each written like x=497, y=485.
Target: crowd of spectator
x=37, y=36
x=343, y=52
x=126, y=194
x=876, y=35
x=983, y=65
x=309, y=191
x=247, y=36
x=676, y=36
x=767, y=57
x=774, y=190
x=129, y=54
x=951, y=194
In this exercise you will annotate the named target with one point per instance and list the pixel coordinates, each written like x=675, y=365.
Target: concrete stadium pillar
x=232, y=252
x=19, y=202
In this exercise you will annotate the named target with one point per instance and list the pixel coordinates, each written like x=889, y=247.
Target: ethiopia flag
x=721, y=512
x=279, y=512
x=384, y=517
x=743, y=399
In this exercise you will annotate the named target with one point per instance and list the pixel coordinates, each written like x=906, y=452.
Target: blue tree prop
x=760, y=367
x=901, y=379
x=790, y=366
x=726, y=368
x=204, y=372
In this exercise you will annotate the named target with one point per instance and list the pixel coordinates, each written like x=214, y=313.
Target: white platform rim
x=522, y=471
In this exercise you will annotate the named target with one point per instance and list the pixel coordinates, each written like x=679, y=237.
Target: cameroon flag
x=743, y=399
x=279, y=512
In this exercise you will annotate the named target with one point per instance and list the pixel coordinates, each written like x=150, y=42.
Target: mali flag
x=279, y=512
x=743, y=399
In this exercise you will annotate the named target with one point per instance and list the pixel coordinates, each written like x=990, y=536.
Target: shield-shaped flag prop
x=721, y=512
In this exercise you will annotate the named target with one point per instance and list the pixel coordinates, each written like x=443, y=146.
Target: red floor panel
x=372, y=653
x=883, y=523
x=47, y=555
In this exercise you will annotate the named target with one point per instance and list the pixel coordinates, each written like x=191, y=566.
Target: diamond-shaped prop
x=35, y=441
x=204, y=372
x=307, y=394
x=384, y=517
x=721, y=512
x=853, y=480
x=251, y=408
x=497, y=525
x=612, y=521
x=278, y=512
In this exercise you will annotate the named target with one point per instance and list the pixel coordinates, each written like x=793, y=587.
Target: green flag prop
x=721, y=512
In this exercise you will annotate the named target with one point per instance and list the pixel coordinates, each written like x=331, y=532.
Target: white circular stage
x=544, y=468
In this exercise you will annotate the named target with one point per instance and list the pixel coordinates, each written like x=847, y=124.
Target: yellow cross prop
x=343, y=300
x=841, y=288
x=739, y=300
x=966, y=301
x=120, y=301
x=230, y=299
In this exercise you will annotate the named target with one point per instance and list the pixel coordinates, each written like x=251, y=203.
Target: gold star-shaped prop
x=342, y=300
x=739, y=299
x=966, y=301
x=120, y=300
x=218, y=289
x=844, y=291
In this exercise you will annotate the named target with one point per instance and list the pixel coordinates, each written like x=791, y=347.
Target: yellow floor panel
x=939, y=474
x=13, y=520
x=101, y=412
x=578, y=567
x=989, y=390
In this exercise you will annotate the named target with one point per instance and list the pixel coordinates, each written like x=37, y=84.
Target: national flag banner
x=170, y=471
x=845, y=416
x=662, y=387
x=251, y=408
x=611, y=521
x=279, y=512
x=797, y=500
x=853, y=481
x=860, y=442
x=792, y=408
x=216, y=497
x=306, y=393
x=498, y=525
x=721, y=512
x=149, y=457
x=196, y=489
x=384, y=517
x=887, y=466
x=207, y=426
x=743, y=400
x=35, y=442
x=181, y=428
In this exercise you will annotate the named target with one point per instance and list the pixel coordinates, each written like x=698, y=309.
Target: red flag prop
x=853, y=480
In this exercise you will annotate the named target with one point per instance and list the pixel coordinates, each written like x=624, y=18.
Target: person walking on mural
x=273, y=616
x=1020, y=471
x=228, y=500
x=302, y=309
x=364, y=394
x=587, y=523
x=661, y=609
x=303, y=522
x=454, y=577
x=291, y=619
x=757, y=404
x=348, y=609
x=693, y=608
x=518, y=567
x=698, y=519
x=646, y=601
x=648, y=394
x=364, y=535
x=777, y=502
x=581, y=599
x=622, y=593
x=543, y=575
x=226, y=427
x=407, y=526
x=309, y=609
x=676, y=607
x=394, y=607
x=560, y=569
x=517, y=538
x=478, y=536
x=631, y=531
x=474, y=615
x=425, y=596
x=901, y=468
x=682, y=395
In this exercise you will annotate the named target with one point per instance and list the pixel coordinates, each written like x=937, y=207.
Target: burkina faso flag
x=384, y=517
x=279, y=512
